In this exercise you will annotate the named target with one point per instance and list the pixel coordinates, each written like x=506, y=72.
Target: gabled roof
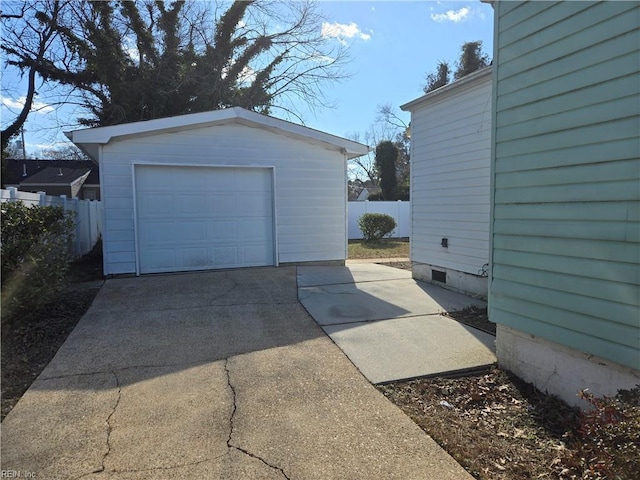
x=88, y=139
x=57, y=176
x=472, y=77
x=19, y=170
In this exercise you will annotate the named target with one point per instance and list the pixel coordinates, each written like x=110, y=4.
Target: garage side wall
x=310, y=191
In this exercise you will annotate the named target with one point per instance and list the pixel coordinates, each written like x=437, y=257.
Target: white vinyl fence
x=88, y=217
x=400, y=211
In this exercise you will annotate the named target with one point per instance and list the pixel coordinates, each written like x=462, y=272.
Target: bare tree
x=133, y=61
x=31, y=34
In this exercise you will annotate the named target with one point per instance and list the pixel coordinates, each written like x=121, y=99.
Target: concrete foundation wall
x=474, y=285
x=560, y=370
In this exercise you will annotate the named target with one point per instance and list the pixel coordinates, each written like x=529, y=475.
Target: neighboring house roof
x=89, y=139
x=414, y=104
x=18, y=170
x=57, y=176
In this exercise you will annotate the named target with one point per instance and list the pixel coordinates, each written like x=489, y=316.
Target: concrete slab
x=57, y=430
x=200, y=289
x=167, y=417
x=223, y=376
x=378, y=300
x=389, y=325
x=106, y=340
x=403, y=348
x=352, y=273
x=320, y=419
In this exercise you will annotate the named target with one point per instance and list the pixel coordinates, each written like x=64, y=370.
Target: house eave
x=435, y=94
x=85, y=138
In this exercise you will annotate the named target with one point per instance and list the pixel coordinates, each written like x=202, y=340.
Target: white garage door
x=197, y=218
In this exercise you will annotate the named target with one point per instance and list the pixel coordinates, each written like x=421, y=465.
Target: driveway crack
x=102, y=467
x=232, y=287
x=234, y=408
x=109, y=427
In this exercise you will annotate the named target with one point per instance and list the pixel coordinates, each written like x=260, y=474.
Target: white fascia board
x=348, y=147
x=472, y=77
x=103, y=135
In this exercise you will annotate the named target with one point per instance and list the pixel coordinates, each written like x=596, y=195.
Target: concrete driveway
x=216, y=375
x=390, y=325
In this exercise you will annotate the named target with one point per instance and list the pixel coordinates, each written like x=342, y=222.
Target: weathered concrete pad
x=166, y=418
x=306, y=411
x=58, y=429
x=104, y=340
x=352, y=273
x=403, y=348
x=242, y=385
x=379, y=300
x=199, y=289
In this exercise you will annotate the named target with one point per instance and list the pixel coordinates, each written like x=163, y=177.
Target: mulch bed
x=495, y=425
x=30, y=342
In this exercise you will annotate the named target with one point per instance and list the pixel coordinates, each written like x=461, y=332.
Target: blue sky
x=392, y=46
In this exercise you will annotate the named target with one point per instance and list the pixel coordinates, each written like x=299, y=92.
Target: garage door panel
x=226, y=257
x=158, y=233
x=222, y=231
x=255, y=205
x=192, y=257
x=190, y=204
x=191, y=232
x=255, y=255
x=253, y=229
x=160, y=260
x=221, y=205
x=210, y=217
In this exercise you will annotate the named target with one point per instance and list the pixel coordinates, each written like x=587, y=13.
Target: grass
x=385, y=248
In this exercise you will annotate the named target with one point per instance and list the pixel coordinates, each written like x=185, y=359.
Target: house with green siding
x=564, y=284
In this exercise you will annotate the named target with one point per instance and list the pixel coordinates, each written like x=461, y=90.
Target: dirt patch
x=401, y=265
x=476, y=317
x=29, y=343
x=494, y=425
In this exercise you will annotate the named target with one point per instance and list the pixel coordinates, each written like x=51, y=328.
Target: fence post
x=78, y=223
x=399, y=230
x=43, y=200
x=12, y=194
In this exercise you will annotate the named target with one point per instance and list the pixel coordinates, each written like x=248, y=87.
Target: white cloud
x=36, y=106
x=452, y=15
x=342, y=31
x=247, y=75
x=319, y=58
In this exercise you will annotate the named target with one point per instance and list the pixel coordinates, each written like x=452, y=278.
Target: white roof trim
x=483, y=72
x=103, y=135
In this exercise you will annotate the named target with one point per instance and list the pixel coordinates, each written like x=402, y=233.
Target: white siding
x=310, y=187
x=566, y=231
x=450, y=162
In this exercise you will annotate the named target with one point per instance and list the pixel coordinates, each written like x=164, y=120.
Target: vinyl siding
x=450, y=165
x=310, y=187
x=566, y=175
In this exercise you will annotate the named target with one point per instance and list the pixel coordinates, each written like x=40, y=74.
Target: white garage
x=222, y=189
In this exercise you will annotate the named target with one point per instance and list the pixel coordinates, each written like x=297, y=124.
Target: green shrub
x=36, y=251
x=374, y=226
